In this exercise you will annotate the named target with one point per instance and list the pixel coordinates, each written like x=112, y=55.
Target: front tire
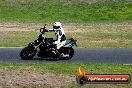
x=27, y=53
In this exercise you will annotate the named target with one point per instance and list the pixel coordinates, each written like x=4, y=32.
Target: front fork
x=35, y=47
x=38, y=41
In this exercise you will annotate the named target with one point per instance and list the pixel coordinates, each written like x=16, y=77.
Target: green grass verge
x=52, y=10
x=72, y=69
x=17, y=39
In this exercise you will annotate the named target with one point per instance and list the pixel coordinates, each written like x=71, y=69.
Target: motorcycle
x=46, y=48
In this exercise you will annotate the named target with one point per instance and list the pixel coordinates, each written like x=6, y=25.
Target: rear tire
x=27, y=53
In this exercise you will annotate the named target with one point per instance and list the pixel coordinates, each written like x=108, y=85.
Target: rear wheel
x=68, y=53
x=27, y=53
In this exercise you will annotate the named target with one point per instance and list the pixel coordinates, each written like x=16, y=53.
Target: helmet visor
x=56, y=27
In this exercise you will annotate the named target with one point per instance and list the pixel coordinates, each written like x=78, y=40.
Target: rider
x=60, y=35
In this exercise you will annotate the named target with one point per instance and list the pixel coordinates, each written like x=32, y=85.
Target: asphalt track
x=120, y=56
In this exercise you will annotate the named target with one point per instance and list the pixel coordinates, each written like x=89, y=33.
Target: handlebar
x=43, y=30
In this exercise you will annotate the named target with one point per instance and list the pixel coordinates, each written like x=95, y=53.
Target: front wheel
x=27, y=53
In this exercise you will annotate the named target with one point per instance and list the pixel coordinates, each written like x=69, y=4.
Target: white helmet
x=56, y=25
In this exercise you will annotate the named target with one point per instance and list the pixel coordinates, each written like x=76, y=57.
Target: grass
x=96, y=35
x=59, y=67
x=17, y=39
x=72, y=69
x=104, y=39
x=74, y=12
